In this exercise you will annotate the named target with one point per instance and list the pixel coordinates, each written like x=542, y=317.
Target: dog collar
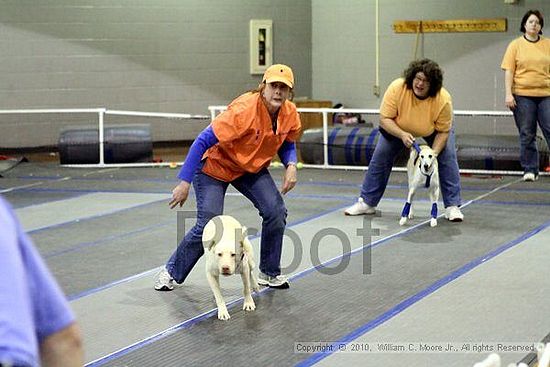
x=428, y=181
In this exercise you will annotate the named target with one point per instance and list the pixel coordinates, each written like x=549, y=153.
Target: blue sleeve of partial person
x=52, y=312
x=205, y=140
x=287, y=152
x=18, y=341
x=32, y=305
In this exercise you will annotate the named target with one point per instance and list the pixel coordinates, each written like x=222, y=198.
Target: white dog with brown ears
x=228, y=251
x=423, y=171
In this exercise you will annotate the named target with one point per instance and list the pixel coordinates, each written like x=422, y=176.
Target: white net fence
x=486, y=140
x=97, y=136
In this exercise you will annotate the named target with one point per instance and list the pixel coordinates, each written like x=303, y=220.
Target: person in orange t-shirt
x=415, y=106
x=526, y=66
x=237, y=148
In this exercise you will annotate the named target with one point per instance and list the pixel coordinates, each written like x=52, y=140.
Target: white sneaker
x=529, y=177
x=454, y=214
x=279, y=281
x=164, y=281
x=360, y=208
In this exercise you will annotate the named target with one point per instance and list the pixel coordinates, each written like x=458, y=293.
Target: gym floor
x=364, y=290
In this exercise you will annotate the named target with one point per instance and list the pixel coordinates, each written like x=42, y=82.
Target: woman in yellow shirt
x=414, y=106
x=526, y=65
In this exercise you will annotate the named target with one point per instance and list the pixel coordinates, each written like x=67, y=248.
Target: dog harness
x=428, y=179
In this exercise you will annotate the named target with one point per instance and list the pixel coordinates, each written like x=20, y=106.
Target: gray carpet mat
x=326, y=308
x=91, y=255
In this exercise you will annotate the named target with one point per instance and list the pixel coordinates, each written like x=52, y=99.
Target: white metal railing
x=214, y=110
x=101, y=112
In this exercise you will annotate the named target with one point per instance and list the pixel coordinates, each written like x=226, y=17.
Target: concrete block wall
x=181, y=56
x=141, y=55
x=344, y=52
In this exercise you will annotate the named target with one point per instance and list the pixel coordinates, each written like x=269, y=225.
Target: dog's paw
x=223, y=314
x=249, y=304
x=256, y=287
x=403, y=221
x=433, y=222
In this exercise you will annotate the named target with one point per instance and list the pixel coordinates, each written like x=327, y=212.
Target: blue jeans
x=528, y=111
x=387, y=148
x=261, y=190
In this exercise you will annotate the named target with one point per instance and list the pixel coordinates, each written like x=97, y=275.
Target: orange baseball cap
x=279, y=73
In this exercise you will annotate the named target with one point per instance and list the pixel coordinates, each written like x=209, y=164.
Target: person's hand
x=180, y=194
x=407, y=139
x=510, y=102
x=289, y=181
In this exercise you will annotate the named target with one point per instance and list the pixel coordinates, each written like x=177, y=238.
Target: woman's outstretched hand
x=180, y=194
x=289, y=180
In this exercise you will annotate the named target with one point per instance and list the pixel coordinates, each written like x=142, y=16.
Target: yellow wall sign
x=447, y=26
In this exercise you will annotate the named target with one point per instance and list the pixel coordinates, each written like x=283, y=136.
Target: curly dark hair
x=431, y=70
x=536, y=13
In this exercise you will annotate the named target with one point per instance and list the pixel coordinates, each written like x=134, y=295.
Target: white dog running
x=228, y=252
x=422, y=170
